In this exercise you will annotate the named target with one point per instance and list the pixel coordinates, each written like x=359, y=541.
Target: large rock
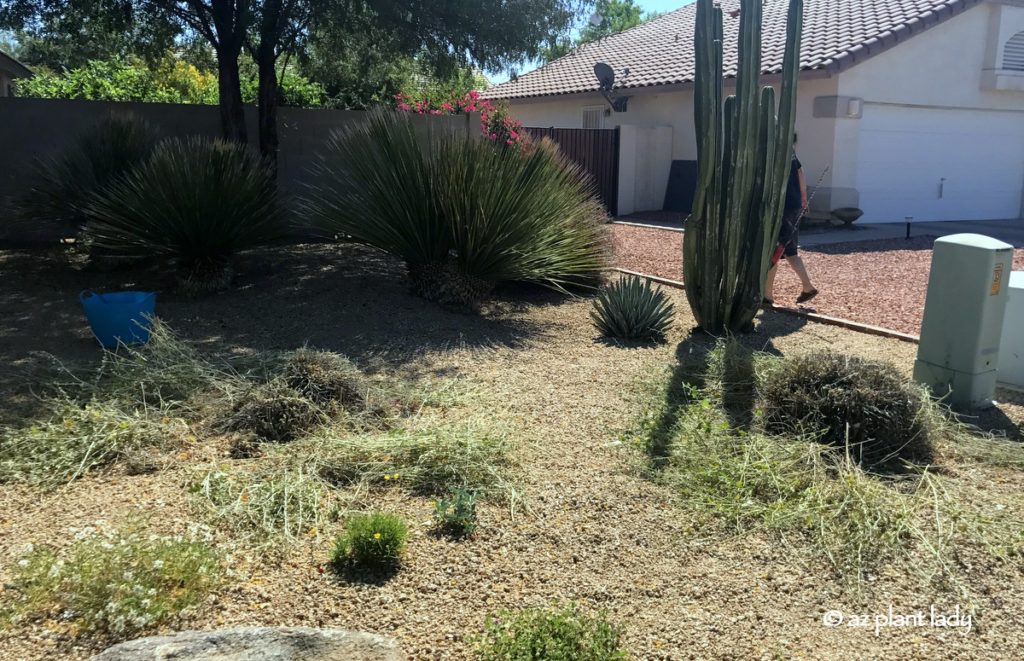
x=258, y=644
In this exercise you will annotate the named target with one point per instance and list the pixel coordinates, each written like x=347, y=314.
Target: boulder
x=258, y=644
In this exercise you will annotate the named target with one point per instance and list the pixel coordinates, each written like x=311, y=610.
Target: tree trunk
x=232, y=112
x=266, y=60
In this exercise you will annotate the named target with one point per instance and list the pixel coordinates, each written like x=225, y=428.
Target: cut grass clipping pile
x=711, y=438
x=311, y=435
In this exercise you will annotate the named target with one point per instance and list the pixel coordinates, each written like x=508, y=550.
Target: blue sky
x=648, y=5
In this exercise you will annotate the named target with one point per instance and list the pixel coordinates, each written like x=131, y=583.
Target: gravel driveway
x=881, y=282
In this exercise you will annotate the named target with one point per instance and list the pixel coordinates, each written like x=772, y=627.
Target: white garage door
x=936, y=164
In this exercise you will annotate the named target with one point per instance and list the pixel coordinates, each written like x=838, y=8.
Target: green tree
x=442, y=34
x=67, y=34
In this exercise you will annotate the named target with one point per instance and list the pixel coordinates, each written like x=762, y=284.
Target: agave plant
x=61, y=187
x=461, y=213
x=195, y=200
x=630, y=309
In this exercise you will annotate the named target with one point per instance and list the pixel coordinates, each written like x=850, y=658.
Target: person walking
x=796, y=207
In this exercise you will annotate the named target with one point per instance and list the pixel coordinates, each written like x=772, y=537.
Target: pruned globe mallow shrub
x=274, y=412
x=862, y=407
x=325, y=378
x=197, y=201
x=631, y=309
x=463, y=214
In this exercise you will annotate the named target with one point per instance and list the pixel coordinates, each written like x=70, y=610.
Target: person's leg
x=801, y=271
x=769, y=284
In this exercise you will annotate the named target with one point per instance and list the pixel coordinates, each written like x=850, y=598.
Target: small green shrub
x=372, y=541
x=539, y=634
x=278, y=501
x=456, y=515
x=79, y=438
x=274, y=412
x=325, y=378
x=865, y=408
x=630, y=309
x=113, y=585
x=61, y=187
x=195, y=200
x=461, y=213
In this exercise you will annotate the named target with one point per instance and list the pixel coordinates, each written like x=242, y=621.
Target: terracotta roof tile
x=837, y=33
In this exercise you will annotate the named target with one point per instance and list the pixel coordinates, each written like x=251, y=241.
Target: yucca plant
x=196, y=200
x=462, y=213
x=61, y=186
x=630, y=309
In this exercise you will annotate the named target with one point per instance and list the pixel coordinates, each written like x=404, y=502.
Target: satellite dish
x=596, y=19
x=605, y=76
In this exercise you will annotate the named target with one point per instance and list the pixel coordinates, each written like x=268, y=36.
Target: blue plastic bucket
x=119, y=317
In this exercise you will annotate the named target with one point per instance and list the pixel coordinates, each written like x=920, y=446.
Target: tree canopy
x=365, y=45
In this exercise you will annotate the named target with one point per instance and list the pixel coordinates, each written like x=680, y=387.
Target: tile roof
x=837, y=34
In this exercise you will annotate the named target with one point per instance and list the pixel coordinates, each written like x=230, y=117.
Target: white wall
x=673, y=110
x=941, y=67
x=948, y=67
x=645, y=161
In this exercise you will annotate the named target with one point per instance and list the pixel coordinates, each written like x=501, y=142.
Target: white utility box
x=963, y=319
x=1011, y=347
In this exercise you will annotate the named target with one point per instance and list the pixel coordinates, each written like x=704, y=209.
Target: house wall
x=946, y=71
x=674, y=110
x=5, y=83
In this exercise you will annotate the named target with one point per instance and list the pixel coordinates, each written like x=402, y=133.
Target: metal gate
x=597, y=151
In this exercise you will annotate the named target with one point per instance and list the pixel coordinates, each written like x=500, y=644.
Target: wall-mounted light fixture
x=854, y=107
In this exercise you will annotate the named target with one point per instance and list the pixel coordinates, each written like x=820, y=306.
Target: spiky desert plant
x=631, y=309
x=196, y=200
x=61, y=186
x=744, y=153
x=462, y=213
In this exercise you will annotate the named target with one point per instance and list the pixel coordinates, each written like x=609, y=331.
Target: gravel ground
x=597, y=531
x=882, y=282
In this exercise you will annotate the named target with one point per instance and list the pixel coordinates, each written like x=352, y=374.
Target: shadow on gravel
x=730, y=373
x=343, y=297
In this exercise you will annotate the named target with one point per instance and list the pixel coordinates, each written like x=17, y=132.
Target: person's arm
x=804, y=202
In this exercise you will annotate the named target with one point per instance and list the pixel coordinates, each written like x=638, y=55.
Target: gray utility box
x=1011, y=347
x=963, y=319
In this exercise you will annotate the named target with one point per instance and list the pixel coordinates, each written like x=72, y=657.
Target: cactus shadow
x=718, y=370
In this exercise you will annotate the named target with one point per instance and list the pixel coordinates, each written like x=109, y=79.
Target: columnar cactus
x=744, y=151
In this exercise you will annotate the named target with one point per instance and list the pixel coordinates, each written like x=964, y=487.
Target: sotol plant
x=195, y=200
x=462, y=213
x=744, y=152
x=631, y=309
x=61, y=186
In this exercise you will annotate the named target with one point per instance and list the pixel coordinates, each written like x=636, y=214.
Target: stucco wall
x=942, y=66
x=945, y=67
x=674, y=109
